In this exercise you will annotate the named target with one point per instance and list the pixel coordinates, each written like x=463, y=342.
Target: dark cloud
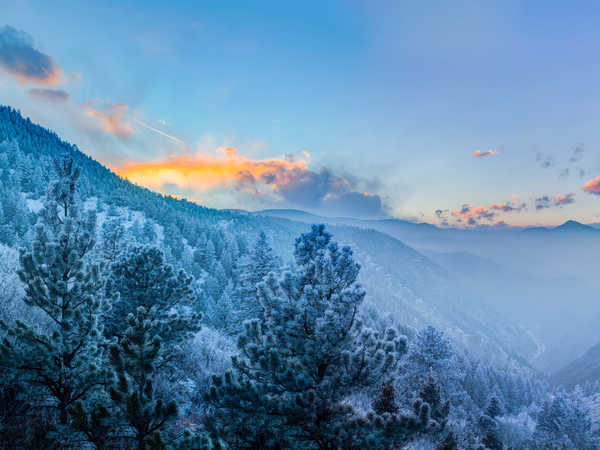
x=325, y=191
x=577, y=154
x=545, y=161
x=543, y=202
x=49, y=95
x=546, y=201
x=360, y=204
x=564, y=173
x=21, y=59
x=510, y=206
x=441, y=215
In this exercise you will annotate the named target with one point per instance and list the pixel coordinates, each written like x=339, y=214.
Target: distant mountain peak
x=573, y=225
x=568, y=226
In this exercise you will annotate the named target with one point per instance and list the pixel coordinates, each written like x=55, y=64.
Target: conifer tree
x=385, y=402
x=134, y=360
x=439, y=409
x=141, y=277
x=64, y=360
x=113, y=233
x=257, y=266
x=305, y=356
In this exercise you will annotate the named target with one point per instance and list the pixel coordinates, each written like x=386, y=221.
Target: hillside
x=585, y=369
x=399, y=280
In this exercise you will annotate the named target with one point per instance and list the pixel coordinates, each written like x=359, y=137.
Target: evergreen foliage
x=305, y=356
x=64, y=359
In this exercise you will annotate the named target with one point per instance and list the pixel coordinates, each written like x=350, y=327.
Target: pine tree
x=113, y=233
x=430, y=394
x=494, y=408
x=148, y=233
x=112, y=211
x=305, y=356
x=134, y=360
x=385, y=402
x=141, y=277
x=64, y=360
x=256, y=267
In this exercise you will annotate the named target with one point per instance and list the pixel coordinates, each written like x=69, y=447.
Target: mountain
x=400, y=281
x=570, y=226
x=582, y=370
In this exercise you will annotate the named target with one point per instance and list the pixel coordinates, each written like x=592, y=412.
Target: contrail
x=162, y=133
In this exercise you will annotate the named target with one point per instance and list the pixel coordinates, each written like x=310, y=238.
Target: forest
x=134, y=320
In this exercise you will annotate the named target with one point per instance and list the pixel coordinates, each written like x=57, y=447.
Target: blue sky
x=389, y=99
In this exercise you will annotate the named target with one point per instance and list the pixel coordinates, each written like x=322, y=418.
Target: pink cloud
x=480, y=154
x=592, y=186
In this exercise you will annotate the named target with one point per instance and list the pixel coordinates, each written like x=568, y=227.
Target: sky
x=468, y=114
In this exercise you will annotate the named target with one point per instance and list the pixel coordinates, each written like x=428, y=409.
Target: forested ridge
x=134, y=320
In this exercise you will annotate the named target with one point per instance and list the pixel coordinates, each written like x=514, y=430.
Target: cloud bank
x=286, y=180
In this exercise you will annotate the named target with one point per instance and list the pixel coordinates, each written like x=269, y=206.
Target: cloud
x=473, y=213
x=441, y=215
x=546, y=201
x=480, y=154
x=22, y=60
x=363, y=204
x=49, y=95
x=510, y=206
x=560, y=199
x=282, y=179
x=111, y=119
x=545, y=161
x=592, y=186
x=577, y=154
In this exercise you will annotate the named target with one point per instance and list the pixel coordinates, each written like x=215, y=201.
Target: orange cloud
x=205, y=172
x=287, y=178
x=592, y=186
x=111, y=120
x=469, y=211
x=480, y=154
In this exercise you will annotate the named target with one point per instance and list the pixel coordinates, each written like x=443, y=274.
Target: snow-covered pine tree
x=148, y=233
x=305, y=356
x=134, y=359
x=430, y=394
x=64, y=360
x=113, y=234
x=494, y=408
x=255, y=268
x=141, y=277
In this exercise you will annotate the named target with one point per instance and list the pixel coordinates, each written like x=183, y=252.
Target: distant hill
x=582, y=370
x=570, y=226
